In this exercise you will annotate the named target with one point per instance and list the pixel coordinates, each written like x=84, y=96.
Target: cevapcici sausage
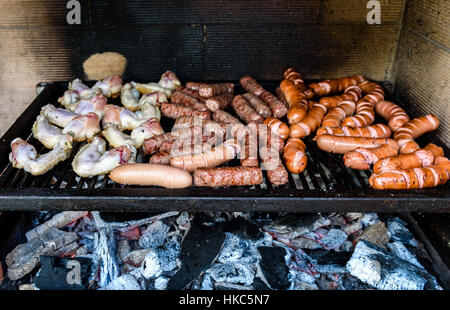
x=343, y=144
x=218, y=102
x=271, y=162
x=414, y=129
x=277, y=127
x=249, y=146
x=148, y=174
x=196, y=85
x=361, y=159
x=181, y=98
x=187, y=121
x=373, y=131
x=160, y=158
x=217, y=156
x=174, y=111
x=257, y=104
x=278, y=108
x=250, y=85
x=153, y=144
x=224, y=117
x=392, y=113
x=327, y=87
x=310, y=123
x=210, y=90
x=294, y=155
x=191, y=92
x=228, y=176
x=413, y=178
x=245, y=111
x=417, y=159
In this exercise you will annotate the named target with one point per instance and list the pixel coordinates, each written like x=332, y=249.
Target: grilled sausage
x=436, y=150
x=228, y=176
x=343, y=144
x=292, y=75
x=365, y=113
x=257, y=104
x=148, y=174
x=224, y=117
x=278, y=108
x=219, y=102
x=414, y=178
x=217, y=156
x=361, y=159
x=245, y=111
x=328, y=87
x=281, y=96
x=210, y=90
x=392, y=113
x=174, y=111
x=196, y=85
x=414, y=129
x=294, y=155
x=417, y=159
x=277, y=127
x=191, y=92
x=160, y=158
x=298, y=106
x=352, y=93
x=271, y=162
x=249, y=146
x=181, y=98
x=335, y=116
x=250, y=85
x=310, y=123
x=373, y=131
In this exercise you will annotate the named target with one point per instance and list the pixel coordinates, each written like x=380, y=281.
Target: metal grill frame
x=340, y=190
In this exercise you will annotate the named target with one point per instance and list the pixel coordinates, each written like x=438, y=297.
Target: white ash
x=398, y=232
x=353, y=228
x=334, y=239
x=234, y=273
x=369, y=219
x=126, y=225
x=374, y=266
x=160, y=260
x=161, y=283
x=207, y=283
x=123, y=283
x=155, y=235
x=242, y=250
x=401, y=251
x=347, y=246
x=183, y=221
x=105, y=250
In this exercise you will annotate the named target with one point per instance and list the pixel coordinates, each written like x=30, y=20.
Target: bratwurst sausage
x=148, y=174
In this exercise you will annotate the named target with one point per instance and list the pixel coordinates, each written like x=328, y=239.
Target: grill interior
x=325, y=185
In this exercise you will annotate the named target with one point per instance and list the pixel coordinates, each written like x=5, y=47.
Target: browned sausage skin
x=228, y=176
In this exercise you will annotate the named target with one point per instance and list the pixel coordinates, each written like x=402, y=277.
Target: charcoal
x=232, y=273
x=125, y=221
x=183, y=221
x=154, y=236
x=105, y=250
x=273, y=266
x=200, y=247
x=243, y=229
x=375, y=266
x=65, y=273
x=398, y=232
x=25, y=257
x=295, y=225
x=303, y=281
x=305, y=243
x=27, y=287
x=369, y=219
x=401, y=251
x=161, y=283
x=326, y=282
x=243, y=250
x=160, y=260
x=334, y=239
x=328, y=261
x=350, y=282
x=347, y=246
x=353, y=228
x=136, y=257
x=125, y=282
x=376, y=234
x=353, y=216
x=118, y=217
x=259, y=284
x=58, y=221
x=123, y=249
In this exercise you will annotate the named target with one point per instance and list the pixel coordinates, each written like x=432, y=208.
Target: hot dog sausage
x=327, y=87
x=414, y=129
x=343, y=144
x=417, y=159
x=298, y=106
x=335, y=116
x=436, y=150
x=310, y=123
x=228, y=176
x=277, y=127
x=292, y=75
x=352, y=93
x=372, y=131
x=148, y=174
x=392, y=113
x=361, y=159
x=294, y=155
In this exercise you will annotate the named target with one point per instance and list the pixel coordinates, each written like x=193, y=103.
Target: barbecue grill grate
x=325, y=185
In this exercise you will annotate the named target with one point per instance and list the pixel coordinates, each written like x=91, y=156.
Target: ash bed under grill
x=326, y=184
